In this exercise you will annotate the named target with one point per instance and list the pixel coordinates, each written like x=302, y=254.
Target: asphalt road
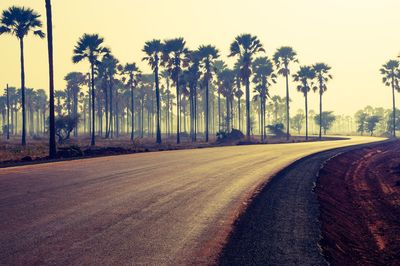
x=281, y=225
x=161, y=208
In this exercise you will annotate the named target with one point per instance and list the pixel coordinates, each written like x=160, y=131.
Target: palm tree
x=134, y=77
x=219, y=66
x=227, y=89
x=283, y=57
x=52, y=130
x=108, y=67
x=175, y=57
x=304, y=76
x=20, y=21
x=322, y=75
x=90, y=47
x=74, y=81
x=263, y=76
x=246, y=46
x=207, y=54
x=153, y=50
x=391, y=76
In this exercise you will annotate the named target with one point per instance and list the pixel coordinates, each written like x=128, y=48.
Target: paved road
x=281, y=225
x=174, y=207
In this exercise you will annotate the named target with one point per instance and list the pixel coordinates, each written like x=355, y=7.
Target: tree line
x=189, y=90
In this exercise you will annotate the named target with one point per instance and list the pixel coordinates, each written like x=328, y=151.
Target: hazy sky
x=355, y=37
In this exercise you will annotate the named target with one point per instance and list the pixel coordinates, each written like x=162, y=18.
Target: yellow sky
x=355, y=37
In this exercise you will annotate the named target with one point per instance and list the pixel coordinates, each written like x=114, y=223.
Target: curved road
x=174, y=207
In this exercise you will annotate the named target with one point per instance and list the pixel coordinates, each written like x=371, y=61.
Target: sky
x=354, y=37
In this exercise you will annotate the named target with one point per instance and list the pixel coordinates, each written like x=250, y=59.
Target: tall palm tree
x=134, y=77
x=322, y=75
x=20, y=21
x=153, y=50
x=52, y=129
x=263, y=77
x=391, y=76
x=283, y=57
x=305, y=76
x=208, y=54
x=246, y=46
x=90, y=47
x=175, y=57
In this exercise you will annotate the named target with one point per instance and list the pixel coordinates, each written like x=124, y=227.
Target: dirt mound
x=360, y=206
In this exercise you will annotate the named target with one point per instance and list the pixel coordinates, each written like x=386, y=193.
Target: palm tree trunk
x=93, y=141
x=178, y=140
x=23, y=140
x=8, y=114
x=320, y=114
x=287, y=105
x=107, y=111
x=158, y=116
x=239, y=113
x=52, y=130
x=132, y=114
x=394, y=110
x=306, y=110
x=110, y=121
x=247, y=109
x=207, y=109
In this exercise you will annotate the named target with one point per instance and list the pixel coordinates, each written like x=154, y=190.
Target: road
x=281, y=226
x=160, y=208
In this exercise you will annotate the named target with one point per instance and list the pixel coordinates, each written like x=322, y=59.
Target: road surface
x=281, y=225
x=164, y=208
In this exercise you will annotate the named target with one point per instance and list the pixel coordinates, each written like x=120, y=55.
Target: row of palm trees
x=199, y=66
x=190, y=68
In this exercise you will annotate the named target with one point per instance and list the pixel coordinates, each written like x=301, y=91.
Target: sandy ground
x=359, y=193
x=160, y=208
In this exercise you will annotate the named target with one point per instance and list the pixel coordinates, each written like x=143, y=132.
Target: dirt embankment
x=359, y=195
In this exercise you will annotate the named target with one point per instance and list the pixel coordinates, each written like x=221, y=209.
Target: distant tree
x=246, y=46
x=134, y=76
x=20, y=21
x=208, y=54
x=227, y=89
x=283, y=57
x=322, y=76
x=90, y=47
x=304, y=77
x=361, y=120
x=327, y=120
x=391, y=75
x=64, y=126
x=175, y=57
x=297, y=122
x=372, y=121
x=74, y=82
x=263, y=78
x=153, y=50
x=276, y=129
